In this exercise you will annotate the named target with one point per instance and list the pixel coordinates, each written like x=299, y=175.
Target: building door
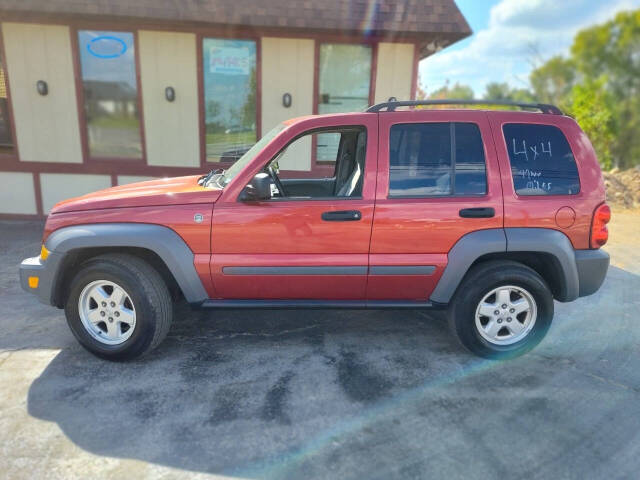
x=311, y=239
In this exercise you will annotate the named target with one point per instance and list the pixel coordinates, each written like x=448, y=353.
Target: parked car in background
x=489, y=214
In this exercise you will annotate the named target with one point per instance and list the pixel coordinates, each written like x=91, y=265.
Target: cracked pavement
x=322, y=394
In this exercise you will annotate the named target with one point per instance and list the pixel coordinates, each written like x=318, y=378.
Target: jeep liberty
x=488, y=213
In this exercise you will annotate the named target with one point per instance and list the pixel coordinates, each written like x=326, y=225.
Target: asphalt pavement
x=323, y=393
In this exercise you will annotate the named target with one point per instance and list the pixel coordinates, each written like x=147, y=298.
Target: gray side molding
x=466, y=251
x=166, y=243
x=402, y=269
x=546, y=240
x=312, y=270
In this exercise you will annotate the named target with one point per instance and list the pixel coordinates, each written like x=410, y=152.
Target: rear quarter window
x=542, y=162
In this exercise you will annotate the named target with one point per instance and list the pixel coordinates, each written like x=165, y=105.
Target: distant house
x=96, y=94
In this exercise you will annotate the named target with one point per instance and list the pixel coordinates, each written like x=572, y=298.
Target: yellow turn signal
x=33, y=282
x=44, y=253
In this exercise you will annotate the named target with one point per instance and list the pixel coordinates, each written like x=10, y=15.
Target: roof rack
x=391, y=106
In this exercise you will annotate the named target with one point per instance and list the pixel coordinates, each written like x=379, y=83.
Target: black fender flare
x=496, y=240
x=161, y=240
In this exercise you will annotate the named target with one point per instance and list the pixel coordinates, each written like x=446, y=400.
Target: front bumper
x=45, y=271
x=592, y=267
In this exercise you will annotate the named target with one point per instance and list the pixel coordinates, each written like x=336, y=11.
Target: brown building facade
x=101, y=93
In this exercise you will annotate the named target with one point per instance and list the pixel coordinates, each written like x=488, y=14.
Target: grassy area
x=220, y=142
x=115, y=122
x=237, y=138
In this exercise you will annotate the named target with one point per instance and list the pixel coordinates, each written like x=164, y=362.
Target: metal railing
x=391, y=106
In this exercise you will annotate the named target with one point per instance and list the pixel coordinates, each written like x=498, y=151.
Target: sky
x=510, y=37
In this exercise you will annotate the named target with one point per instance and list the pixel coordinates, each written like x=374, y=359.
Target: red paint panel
x=292, y=231
x=430, y=226
x=540, y=211
x=166, y=191
x=293, y=227
x=337, y=287
x=427, y=225
x=287, y=260
x=179, y=218
x=202, y=261
x=290, y=234
x=283, y=287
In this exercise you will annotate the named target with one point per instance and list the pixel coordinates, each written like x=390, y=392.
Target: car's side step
x=318, y=304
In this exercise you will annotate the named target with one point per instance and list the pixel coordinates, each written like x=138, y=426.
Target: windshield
x=222, y=179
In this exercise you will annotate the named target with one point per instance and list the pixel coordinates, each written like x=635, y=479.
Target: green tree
x=458, y=92
x=497, y=91
x=522, y=95
x=612, y=50
x=249, y=107
x=599, y=84
x=553, y=81
x=503, y=92
x=591, y=109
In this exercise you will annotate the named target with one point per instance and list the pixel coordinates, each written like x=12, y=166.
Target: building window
x=425, y=157
x=541, y=160
x=344, y=81
x=229, y=70
x=110, y=92
x=6, y=139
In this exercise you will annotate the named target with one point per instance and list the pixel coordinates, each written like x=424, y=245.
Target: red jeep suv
x=490, y=214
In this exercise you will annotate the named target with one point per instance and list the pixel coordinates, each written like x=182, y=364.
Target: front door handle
x=342, y=216
x=481, y=212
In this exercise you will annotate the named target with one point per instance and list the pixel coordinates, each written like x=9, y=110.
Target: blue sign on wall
x=107, y=46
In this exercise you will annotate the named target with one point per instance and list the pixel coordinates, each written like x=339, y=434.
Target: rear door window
x=542, y=162
x=436, y=159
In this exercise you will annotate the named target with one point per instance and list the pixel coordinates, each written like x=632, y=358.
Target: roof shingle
x=422, y=21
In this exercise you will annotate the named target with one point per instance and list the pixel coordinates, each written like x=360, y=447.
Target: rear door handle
x=342, y=216
x=481, y=212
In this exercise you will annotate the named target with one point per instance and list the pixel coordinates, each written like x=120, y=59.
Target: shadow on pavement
x=362, y=394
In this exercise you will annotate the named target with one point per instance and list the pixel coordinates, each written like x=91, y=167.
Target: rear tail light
x=599, y=231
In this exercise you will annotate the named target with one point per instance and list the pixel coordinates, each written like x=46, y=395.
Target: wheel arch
x=548, y=252
x=158, y=245
x=75, y=258
x=543, y=263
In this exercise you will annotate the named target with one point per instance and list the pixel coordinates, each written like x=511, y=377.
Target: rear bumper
x=45, y=271
x=592, y=267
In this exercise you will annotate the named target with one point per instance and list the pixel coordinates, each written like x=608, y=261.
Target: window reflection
x=343, y=86
x=108, y=67
x=229, y=68
x=6, y=141
x=421, y=160
x=542, y=162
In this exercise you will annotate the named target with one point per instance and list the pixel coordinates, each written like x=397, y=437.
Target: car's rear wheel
x=502, y=309
x=118, y=306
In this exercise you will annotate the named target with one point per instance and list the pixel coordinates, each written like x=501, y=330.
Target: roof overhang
x=430, y=24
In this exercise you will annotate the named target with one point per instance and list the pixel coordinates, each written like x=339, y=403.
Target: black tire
x=148, y=293
x=481, y=280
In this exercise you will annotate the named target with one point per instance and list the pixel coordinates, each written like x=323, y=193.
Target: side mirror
x=259, y=188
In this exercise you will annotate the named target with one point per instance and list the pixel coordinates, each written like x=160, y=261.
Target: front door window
x=342, y=176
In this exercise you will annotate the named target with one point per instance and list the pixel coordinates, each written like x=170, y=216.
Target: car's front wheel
x=118, y=306
x=501, y=309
